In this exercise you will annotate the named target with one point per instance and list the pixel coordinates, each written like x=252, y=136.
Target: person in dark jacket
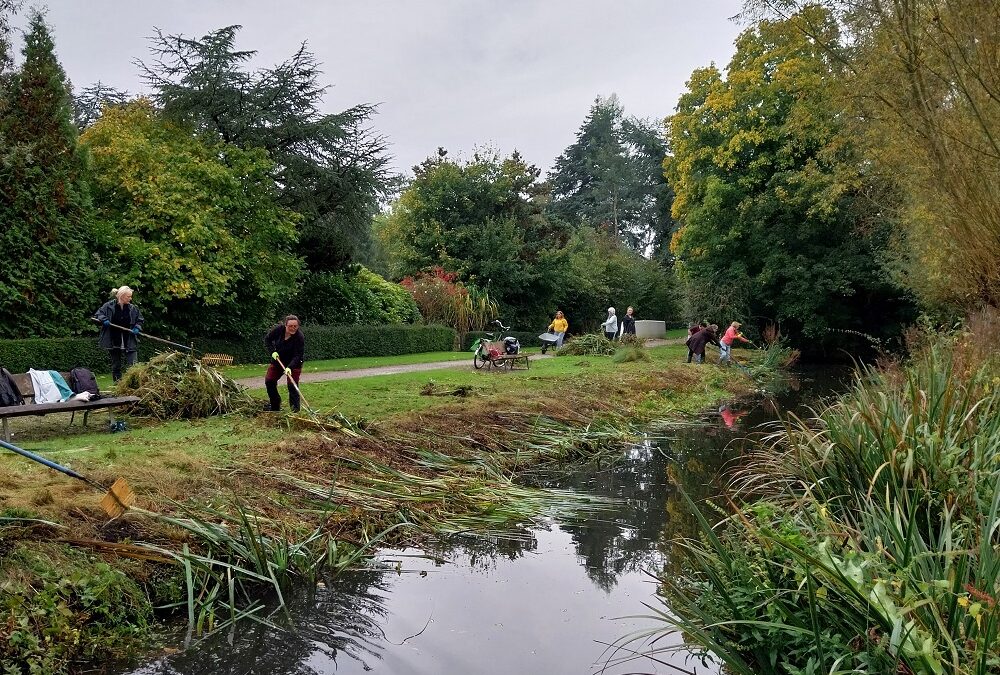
x=289, y=344
x=121, y=323
x=698, y=342
x=628, y=323
x=693, y=330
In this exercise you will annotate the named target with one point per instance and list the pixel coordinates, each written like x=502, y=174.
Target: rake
x=117, y=499
x=291, y=380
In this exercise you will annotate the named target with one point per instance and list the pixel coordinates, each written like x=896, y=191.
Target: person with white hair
x=610, y=324
x=121, y=323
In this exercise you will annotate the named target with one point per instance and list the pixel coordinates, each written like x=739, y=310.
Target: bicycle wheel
x=478, y=361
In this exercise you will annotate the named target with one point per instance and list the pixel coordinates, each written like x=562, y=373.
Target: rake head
x=118, y=498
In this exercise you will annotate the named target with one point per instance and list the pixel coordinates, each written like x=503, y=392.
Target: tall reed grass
x=864, y=540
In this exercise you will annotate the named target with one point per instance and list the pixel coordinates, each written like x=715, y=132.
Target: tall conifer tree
x=612, y=178
x=47, y=281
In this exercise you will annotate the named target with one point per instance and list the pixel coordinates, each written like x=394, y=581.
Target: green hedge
x=339, y=342
x=322, y=342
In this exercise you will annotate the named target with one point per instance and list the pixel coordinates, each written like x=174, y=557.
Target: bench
x=23, y=381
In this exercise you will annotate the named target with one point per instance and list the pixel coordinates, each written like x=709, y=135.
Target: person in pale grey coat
x=610, y=325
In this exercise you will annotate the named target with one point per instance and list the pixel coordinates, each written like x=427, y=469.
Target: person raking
x=121, y=342
x=287, y=346
x=726, y=343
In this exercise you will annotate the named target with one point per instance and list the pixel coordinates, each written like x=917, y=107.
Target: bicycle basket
x=495, y=353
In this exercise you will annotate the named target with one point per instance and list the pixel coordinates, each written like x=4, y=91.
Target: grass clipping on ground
x=178, y=386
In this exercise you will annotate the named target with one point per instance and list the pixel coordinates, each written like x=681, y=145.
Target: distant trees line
x=228, y=196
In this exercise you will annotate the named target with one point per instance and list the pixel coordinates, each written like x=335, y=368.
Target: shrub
x=598, y=272
x=442, y=299
x=354, y=297
x=53, y=353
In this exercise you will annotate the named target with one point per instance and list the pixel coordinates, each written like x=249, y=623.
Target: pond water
x=548, y=598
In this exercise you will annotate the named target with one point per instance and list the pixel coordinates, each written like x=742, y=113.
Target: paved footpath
x=258, y=382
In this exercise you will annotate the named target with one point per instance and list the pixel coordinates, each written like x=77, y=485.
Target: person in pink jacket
x=726, y=343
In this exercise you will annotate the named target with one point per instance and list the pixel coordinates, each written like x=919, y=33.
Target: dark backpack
x=9, y=393
x=81, y=380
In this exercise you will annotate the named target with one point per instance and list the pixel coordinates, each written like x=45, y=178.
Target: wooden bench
x=23, y=381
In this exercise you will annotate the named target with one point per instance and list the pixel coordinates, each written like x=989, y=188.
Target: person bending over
x=732, y=334
x=287, y=346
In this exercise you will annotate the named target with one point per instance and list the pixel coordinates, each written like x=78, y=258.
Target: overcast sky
x=455, y=73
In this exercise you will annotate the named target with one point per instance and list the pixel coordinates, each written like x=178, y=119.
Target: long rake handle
x=151, y=337
x=49, y=463
x=294, y=384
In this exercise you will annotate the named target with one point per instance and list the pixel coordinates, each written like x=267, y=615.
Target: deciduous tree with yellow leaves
x=191, y=225
x=771, y=193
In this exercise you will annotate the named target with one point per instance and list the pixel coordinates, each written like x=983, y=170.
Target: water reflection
x=540, y=598
x=330, y=622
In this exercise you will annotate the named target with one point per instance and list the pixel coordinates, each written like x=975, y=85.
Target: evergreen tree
x=90, y=103
x=47, y=281
x=333, y=170
x=612, y=177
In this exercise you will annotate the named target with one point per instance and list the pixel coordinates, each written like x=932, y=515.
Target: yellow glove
x=274, y=355
x=288, y=372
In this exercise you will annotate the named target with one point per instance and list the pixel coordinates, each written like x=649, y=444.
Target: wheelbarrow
x=548, y=340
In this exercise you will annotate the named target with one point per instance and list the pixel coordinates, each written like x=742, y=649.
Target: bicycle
x=495, y=353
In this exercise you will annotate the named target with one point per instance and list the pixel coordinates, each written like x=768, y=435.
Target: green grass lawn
x=382, y=396
x=330, y=365
x=374, y=398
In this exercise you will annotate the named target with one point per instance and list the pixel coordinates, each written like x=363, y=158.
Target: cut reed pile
x=590, y=344
x=173, y=385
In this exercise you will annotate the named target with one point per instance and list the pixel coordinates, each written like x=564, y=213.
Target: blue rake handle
x=49, y=463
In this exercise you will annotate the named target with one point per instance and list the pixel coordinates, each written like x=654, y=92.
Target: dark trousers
x=274, y=373
x=116, y=361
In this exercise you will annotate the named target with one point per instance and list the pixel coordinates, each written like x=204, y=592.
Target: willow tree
x=925, y=89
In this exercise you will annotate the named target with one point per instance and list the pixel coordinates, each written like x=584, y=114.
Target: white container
x=651, y=329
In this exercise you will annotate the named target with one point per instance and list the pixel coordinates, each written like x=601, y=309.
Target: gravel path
x=258, y=382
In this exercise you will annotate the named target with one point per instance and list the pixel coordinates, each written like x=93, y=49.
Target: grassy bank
x=866, y=540
x=268, y=500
